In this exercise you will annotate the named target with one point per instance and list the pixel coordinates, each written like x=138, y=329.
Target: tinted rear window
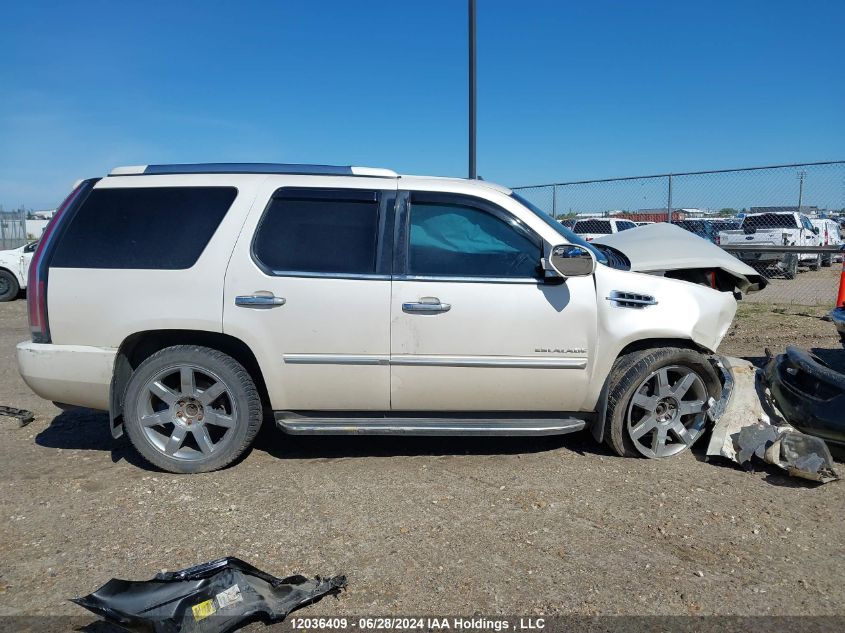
x=143, y=228
x=771, y=221
x=319, y=231
x=592, y=226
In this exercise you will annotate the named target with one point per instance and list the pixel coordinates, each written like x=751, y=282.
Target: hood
x=662, y=246
x=13, y=254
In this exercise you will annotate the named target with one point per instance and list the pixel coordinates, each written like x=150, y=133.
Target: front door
x=473, y=325
x=308, y=289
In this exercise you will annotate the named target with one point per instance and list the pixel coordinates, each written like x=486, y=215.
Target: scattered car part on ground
x=751, y=425
x=208, y=598
x=810, y=394
x=23, y=416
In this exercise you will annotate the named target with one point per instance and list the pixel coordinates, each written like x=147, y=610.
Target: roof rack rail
x=253, y=168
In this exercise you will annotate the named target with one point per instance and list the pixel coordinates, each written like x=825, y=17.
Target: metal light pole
x=801, y=175
x=472, y=172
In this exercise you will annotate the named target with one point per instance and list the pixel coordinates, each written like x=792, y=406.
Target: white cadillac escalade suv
x=194, y=301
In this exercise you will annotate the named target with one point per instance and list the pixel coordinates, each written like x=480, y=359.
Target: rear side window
x=771, y=221
x=592, y=226
x=319, y=231
x=143, y=228
x=624, y=226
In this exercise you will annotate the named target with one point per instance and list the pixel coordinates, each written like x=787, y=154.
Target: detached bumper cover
x=209, y=598
x=810, y=394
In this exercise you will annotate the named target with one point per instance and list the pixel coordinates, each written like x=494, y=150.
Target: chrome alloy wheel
x=667, y=412
x=187, y=412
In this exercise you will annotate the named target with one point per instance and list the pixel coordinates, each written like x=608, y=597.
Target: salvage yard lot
x=425, y=525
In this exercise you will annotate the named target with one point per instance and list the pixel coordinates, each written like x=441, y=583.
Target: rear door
x=308, y=289
x=26, y=259
x=473, y=326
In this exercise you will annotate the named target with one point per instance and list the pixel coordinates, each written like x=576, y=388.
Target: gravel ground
x=421, y=525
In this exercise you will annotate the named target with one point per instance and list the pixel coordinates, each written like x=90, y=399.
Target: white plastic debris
x=751, y=425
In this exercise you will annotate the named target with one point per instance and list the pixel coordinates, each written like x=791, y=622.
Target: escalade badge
x=555, y=350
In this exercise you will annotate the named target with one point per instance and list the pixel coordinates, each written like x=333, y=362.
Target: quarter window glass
x=462, y=241
x=143, y=227
x=319, y=231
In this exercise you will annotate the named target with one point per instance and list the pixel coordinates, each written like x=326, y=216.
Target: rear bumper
x=810, y=394
x=73, y=374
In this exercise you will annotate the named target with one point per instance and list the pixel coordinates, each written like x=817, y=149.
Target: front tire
x=9, y=287
x=657, y=402
x=816, y=263
x=191, y=409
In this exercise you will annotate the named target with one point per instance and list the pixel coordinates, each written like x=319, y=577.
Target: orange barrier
x=840, y=298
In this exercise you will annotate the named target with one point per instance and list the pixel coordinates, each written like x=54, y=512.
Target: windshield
x=566, y=233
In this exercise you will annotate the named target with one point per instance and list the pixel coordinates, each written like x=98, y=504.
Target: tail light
x=36, y=293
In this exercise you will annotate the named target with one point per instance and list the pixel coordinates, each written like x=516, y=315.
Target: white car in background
x=829, y=235
x=14, y=268
x=591, y=228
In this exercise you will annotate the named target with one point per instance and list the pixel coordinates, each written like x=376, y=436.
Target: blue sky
x=566, y=90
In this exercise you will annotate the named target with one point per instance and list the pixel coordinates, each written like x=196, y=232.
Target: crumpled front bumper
x=810, y=394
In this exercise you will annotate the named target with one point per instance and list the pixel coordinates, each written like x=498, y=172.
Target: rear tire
x=817, y=264
x=827, y=261
x=656, y=402
x=191, y=409
x=9, y=287
x=790, y=266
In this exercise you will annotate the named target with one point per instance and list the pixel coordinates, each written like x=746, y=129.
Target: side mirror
x=816, y=230
x=571, y=260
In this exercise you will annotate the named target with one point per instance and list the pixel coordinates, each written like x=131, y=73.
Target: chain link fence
x=787, y=221
x=12, y=229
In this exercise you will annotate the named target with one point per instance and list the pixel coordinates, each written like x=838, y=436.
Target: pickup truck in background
x=830, y=234
x=782, y=228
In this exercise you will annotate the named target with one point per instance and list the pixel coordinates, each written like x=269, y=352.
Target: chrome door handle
x=427, y=305
x=259, y=301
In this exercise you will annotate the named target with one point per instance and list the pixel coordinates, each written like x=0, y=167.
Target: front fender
x=682, y=311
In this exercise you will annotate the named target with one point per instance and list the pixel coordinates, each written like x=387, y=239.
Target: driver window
x=459, y=240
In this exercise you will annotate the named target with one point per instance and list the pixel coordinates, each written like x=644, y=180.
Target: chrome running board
x=396, y=423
